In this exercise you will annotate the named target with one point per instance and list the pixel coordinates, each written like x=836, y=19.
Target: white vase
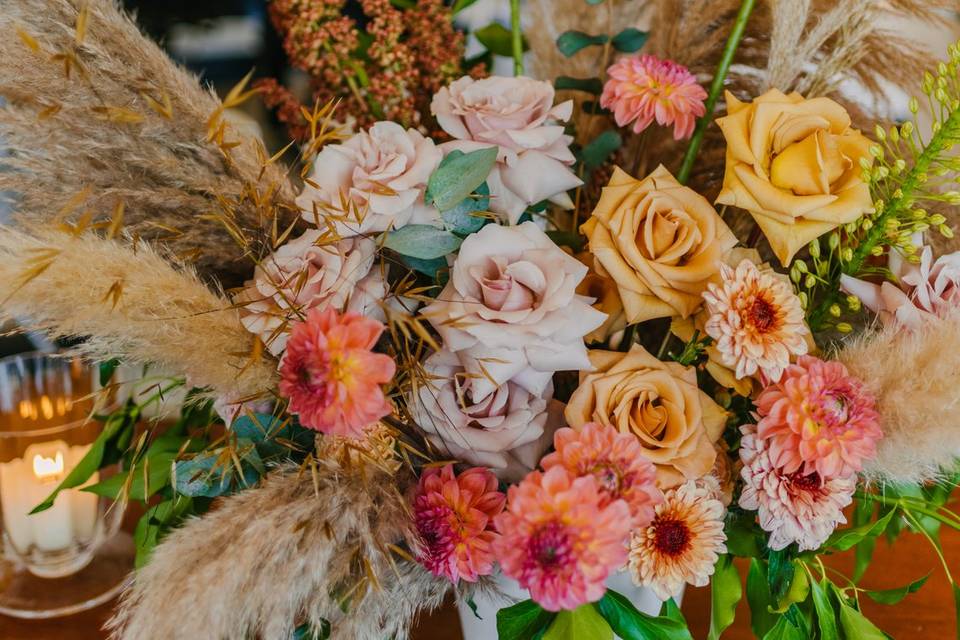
x=483, y=624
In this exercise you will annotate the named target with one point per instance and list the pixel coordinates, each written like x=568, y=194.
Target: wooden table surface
x=927, y=614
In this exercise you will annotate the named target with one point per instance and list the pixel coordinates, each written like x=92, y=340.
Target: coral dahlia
x=682, y=543
x=641, y=88
x=819, y=419
x=755, y=320
x=558, y=540
x=454, y=516
x=331, y=376
x=793, y=507
x=617, y=462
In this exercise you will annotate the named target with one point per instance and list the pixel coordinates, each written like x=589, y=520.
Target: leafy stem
x=516, y=38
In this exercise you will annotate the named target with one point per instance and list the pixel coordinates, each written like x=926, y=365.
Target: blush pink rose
x=306, y=273
x=510, y=309
x=507, y=429
x=517, y=115
x=372, y=182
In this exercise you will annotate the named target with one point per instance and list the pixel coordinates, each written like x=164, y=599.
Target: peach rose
x=794, y=164
x=659, y=241
x=603, y=290
x=502, y=429
x=372, y=182
x=510, y=309
x=659, y=402
x=517, y=115
x=303, y=274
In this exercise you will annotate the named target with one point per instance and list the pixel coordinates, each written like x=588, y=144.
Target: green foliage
x=307, y=632
x=826, y=614
x=843, y=539
x=460, y=5
x=630, y=623
x=566, y=239
x=583, y=623
x=589, y=85
x=759, y=599
x=745, y=538
x=458, y=176
x=523, y=621
x=780, y=571
x=630, y=40
x=422, y=241
x=157, y=521
x=497, y=39
x=893, y=596
x=464, y=218
x=106, y=370
x=599, y=150
x=694, y=350
x=725, y=593
x=570, y=42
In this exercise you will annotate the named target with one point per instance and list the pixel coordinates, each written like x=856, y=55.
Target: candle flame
x=44, y=467
x=46, y=407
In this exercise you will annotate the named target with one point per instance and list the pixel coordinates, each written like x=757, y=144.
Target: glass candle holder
x=72, y=556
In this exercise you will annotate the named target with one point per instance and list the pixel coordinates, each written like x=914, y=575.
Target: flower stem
x=516, y=40
x=733, y=41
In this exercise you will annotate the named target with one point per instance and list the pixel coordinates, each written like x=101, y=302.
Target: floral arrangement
x=652, y=326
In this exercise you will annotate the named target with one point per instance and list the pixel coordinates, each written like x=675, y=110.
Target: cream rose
x=503, y=429
x=305, y=273
x=659, y=403
x=517, y=115
x=372, y=182
x=510, y=309
x=659, y=241
x=794, y=164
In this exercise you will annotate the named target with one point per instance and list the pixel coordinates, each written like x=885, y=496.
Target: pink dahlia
x=558, y=539
x=641, y=88
x=793, y=507
x=617, y=462
x=454, y=516
x=819, y=419
x=331, y=376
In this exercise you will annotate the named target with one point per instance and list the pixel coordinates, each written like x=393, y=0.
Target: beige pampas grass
x=300, y=546
x=916, y=380
x=132, y=304
x=98, y=117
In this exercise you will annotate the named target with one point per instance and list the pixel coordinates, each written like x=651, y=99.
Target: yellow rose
x=659, y=241
x=658, y=402
x=794, y=164
x=604, y=290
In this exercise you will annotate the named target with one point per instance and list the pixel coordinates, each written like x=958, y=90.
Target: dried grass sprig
x=920, y=412
x=306, y=546
x=132, y=304
x=97, y=115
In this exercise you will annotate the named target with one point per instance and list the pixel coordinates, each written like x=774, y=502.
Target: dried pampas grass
x=916, y=380
x=132, y=304
x=97, y=116
x=301, y=545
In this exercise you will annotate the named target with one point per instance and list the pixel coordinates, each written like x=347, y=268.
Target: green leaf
x=671, y=611
x=845, y=538
x=629, y=40
x=306, y=632
x=275, y=438
x=498, y=39
x=799, y=588
x=155, y=523
x=570, y=42
x=863, y=553
x=856, y=625
x=106, y=370
x=458, y=176
x=744, y=537
x=522, y=621
x=462, y=219
x=893, y=596
x=422, y=241
x=430, y=268
x=590, y=85
x=594, y=1
x=157, y=468
x=601, y=148
x=780, y=570
x=630, y=623
x=460, y=5
x=758, y=597
x=725, y=593
x=566, y=239
x=784, y=630
x=826, y=615
x=956, y=606
x=213, y=473
x=583, y=623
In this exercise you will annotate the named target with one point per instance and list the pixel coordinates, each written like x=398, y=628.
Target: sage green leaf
x=429, y=268
x=458, y=176
x=583, y=623
x=571, y=42
x=893, y=596
x=630, y=40
x=522, y=621
x=498, y=39
x=826, y=615
x=856, y=625
x=630, y=623
x=758, y=597
x=725, y=593
x=422, y=241
x=466, y=216
x=590, y=85
x=843, y=539
x=598, y=150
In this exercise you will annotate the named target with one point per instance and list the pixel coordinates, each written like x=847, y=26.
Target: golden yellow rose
x=659, y=241
x=794, y=164
x=658, y=402
x=604, y=291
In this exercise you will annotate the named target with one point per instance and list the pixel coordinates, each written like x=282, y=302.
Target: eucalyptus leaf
x=498, y=39
x=599, y=150
x=522, y=621
x=463, y=218
x=431, y=268
x=630, y=623
x=570, y=42
x=213, y=473
x=893, y=596
x=583, y=623
x=630, y=40
x=274, y=438
x=725, y=593
x=457, y=177
x=590, y=85
x=826, y=615
x=422, y=241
